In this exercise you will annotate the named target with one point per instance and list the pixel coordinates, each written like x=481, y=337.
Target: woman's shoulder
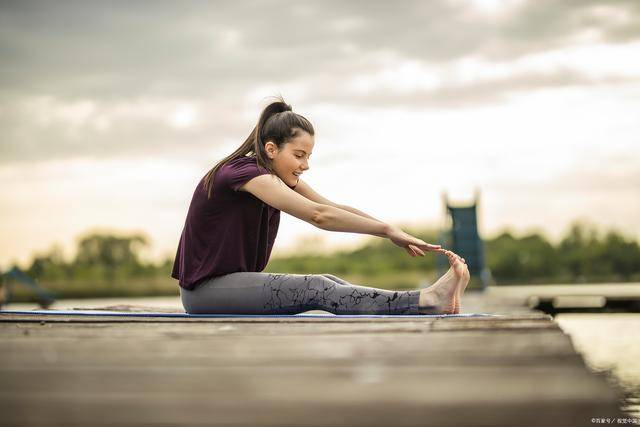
x=244, y=163
x=240, y=162
x=237, y=171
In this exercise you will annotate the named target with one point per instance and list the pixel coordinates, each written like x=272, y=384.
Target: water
x=610, y=343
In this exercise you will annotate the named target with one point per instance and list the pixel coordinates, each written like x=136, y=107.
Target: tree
x=623, y=256
x=107, y=253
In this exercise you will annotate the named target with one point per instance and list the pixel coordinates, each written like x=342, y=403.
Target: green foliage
x=378, y=257
x=587, y=254
x=101, y=258
x=108, y=265
x=106, y=255
x=510, y=258
x=582, y=255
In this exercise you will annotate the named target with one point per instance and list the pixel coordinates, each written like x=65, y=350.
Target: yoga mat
x=185, y=315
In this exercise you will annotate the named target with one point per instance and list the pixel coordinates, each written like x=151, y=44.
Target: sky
x=111, y=112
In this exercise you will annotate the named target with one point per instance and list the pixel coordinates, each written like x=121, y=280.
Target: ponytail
x=277, y=123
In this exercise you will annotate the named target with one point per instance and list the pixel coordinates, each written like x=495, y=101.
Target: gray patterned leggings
x=268, y=293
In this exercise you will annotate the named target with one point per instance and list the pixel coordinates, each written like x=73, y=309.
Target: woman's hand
x=413, y=245
x=417, y=247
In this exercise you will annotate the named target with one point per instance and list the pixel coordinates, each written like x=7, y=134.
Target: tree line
x=583, y=254
x=101, y=257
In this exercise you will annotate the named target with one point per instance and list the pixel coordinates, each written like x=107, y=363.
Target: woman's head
x=287, y=141
x=282, y=142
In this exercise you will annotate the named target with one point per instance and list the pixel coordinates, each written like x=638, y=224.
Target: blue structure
x=463, y=238
x=15, y=275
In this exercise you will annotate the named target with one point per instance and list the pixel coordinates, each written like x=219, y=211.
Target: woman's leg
x=267, y=293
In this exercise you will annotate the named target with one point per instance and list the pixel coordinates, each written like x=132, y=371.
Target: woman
x=232, y=224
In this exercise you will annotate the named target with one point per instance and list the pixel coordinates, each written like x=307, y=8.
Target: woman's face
x=292, y=158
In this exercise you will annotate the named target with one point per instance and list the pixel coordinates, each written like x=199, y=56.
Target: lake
x=609, y=342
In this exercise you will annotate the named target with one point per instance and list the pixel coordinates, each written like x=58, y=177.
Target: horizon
x=308, y=244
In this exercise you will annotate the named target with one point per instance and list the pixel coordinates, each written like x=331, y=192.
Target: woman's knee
x=321, y=280
x=336, y=279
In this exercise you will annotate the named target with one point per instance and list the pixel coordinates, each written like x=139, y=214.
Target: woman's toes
x=459, y=268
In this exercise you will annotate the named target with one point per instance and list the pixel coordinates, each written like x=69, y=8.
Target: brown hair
x=277, y=123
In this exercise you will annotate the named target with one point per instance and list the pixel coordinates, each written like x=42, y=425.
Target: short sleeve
x=235, y=173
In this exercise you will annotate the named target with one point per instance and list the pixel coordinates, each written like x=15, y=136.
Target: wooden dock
x=516, y=370
x=552, y=299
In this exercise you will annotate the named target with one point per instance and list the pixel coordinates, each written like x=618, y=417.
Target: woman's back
x=233, y=231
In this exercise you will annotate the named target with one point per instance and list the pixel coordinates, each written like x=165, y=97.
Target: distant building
x=461, y=235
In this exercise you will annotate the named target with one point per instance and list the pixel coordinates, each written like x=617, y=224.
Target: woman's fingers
x=410, y=251
x=421, y=245
x=428, y=246
x=420, y=248
x=416, y=250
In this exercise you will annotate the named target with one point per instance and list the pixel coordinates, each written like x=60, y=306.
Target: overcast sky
x=111, y=112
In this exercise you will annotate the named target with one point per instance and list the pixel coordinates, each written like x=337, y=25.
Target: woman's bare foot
x=463, y=272
x=443, y=297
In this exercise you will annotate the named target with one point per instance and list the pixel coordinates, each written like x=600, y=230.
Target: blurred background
x=523, y=112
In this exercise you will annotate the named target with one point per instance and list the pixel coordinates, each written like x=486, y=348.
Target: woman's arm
x=271, y=190
x=305, y=189
x=413, y=246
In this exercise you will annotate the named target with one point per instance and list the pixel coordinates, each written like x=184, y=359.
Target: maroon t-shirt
x=233, y=231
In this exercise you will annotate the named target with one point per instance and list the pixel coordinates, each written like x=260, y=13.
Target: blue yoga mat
x=200, y=316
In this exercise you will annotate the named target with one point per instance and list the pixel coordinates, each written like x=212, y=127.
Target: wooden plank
x=40, y=318
x=231, y=349
x=193, y=410
x=517, y=370
x=149, y=396
x=43, y=318
x=489, y=324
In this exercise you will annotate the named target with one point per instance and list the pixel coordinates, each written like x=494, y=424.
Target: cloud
x=85, y=78
x=96, y=49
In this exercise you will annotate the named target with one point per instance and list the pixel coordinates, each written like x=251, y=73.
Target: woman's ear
x=271, y=149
